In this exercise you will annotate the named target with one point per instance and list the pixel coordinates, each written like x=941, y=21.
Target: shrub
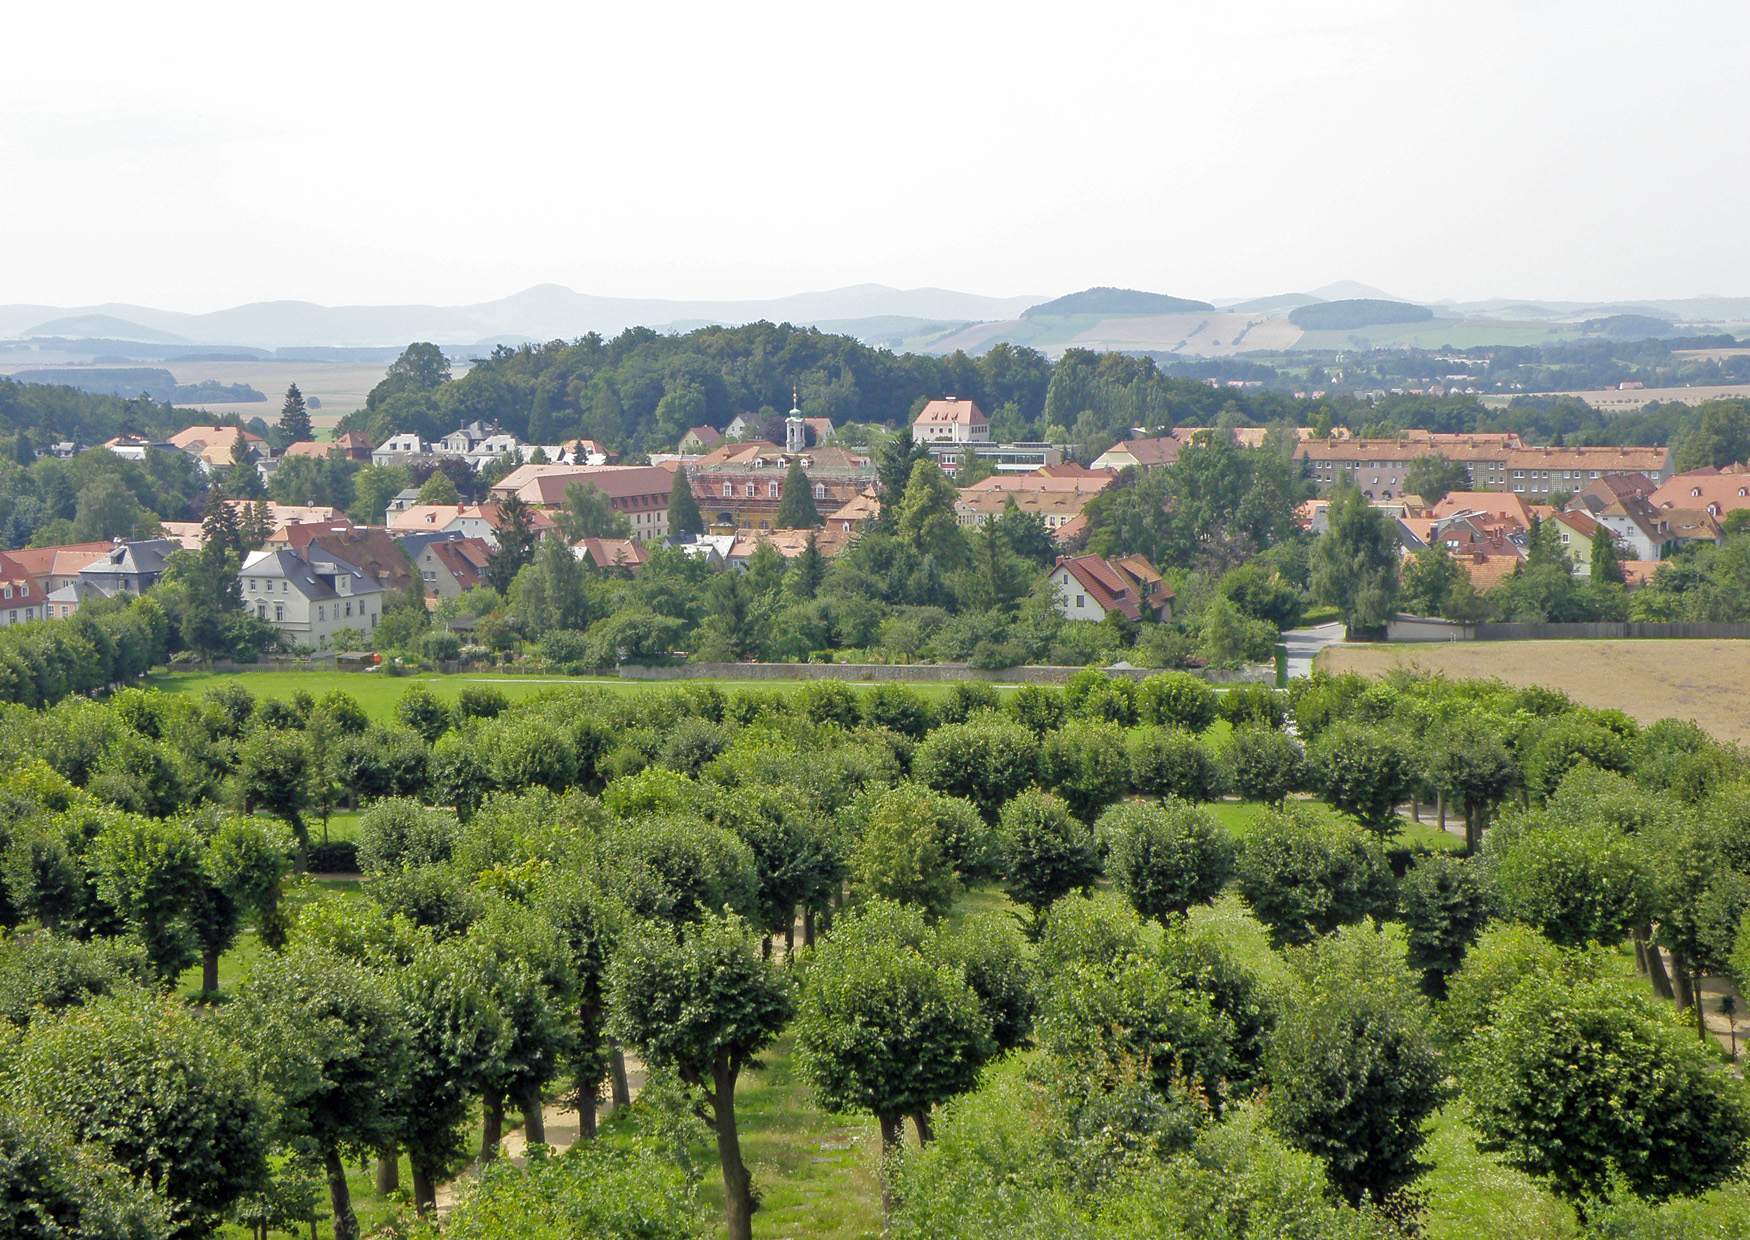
x=1261, y=764
x=1047, y=853
x=1364, y=771
x=986, y=760
x=1254, y=704
x=397, y=834
x=1039, y=708
x=1084, y=762
x=1178, y=699
x=420, y=709
x=1165, y=858
x=1171, y=762
x=899, y=708
x=1304, y=875
x=441, y=646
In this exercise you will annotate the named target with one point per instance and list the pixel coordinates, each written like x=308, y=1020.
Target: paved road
x=1305, y=644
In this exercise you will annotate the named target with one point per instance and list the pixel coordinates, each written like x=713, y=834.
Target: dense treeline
x=1245, y=1035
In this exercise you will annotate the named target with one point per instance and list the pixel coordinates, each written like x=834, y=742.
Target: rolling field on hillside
x=1707, y=681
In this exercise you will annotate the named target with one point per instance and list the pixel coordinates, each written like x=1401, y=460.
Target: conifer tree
x=294, y=425
x=684, y=518
x=796, y=510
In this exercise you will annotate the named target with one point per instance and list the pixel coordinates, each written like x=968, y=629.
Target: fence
x=1431, y=629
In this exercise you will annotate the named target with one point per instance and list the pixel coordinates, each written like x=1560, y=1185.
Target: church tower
x=795, y=429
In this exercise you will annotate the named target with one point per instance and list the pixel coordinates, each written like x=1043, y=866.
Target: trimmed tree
x=1047, y=851
x=1588, y=883
x=1364, y=771
x=704, y=1004
x=1444, y=906
x=883, y=1027
x=1583, y=1082
x=1262, y=764
x=1165, y=858
x=1352, y=1067
x=1304, y=876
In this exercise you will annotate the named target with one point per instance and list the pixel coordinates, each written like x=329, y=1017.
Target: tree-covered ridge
x=1356, y=312
x=1248, y=1034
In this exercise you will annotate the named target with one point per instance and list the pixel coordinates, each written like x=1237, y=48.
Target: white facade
x=398, y=448
x=1073, y=600
x=310, y=604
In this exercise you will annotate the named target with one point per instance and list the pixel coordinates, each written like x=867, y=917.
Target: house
x=787, y=543
x=54, y=567
x=215, y=446
x=370, y=548
x=951, y=421
x=21, y=598
x=1057, y=499
x=448, y=564
x=67, y=600
x=744, y=426
x=468, y=520
x=1714, y=491
x=403, y=499
x=1150, y=453
x=1503, y=505
x=856, y=512
x=1380, y=468
x=399, y=449
x=741, y=486
x=349, y=445
x=463, y=440
x=494, y=447
x=1576, y=532
x=1639, y=528
x=580, y=452
x=625, y=554
x=700, y=439
x=714, y=549
x=186, y=534
x=1546, y=471
x=1599, y=493
x=640, y=492
x=1091, y=587
x=310, y=602
x=134, y=447
x=129, y=567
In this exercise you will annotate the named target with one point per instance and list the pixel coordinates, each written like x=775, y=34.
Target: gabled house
x=700, y=439
x=1147, y=453
x=129, y=567
x=447, y=564
x=952, y=421
x=309, y=603
x=1091, y=587
x=625, y=555
x=369, y=548
x=397, y=449
x=494, y=447
x=463, y=440
x=22, y=598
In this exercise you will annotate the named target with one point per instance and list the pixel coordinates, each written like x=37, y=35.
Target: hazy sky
x=194, y=156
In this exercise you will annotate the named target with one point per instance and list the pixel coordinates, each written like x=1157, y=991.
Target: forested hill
x=52, y=413
x=641, y=390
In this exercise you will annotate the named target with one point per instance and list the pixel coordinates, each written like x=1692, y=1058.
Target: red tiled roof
x=464, y=558
x=951, y=412
x=623, y=553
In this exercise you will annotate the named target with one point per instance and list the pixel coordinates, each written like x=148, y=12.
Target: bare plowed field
x=1707, y=681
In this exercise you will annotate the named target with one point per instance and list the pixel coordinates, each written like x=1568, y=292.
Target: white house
x=1089, y=587
x=397, y=448
x=463, y=440
x=310, y=602
x=951, y=421
x=492, y=448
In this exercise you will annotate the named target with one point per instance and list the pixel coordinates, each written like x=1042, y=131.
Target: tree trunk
x=424, y=1189
x=765, y=947
x=586, y=1110
x=1440, y=808
x=1680, y=975
x=388, y=1171
x=622, y=1089
x=892, y=1134
x=1416, y=810
x=210, y=970
x=1640, y=955
x=737, y=1183
x=808, y=925
x=1656, y=971
x=790, y=939
x=534, y=1122
x=346, y=1224
x=1700, y=1009
x=920, y=1120
x=493, y=1126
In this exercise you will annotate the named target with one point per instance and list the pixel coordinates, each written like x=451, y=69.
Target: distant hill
x=1352, y=290
x=1109, y=301
x=1279, y=304
x=544, y=312
x=1356, y=312
x=103, y=326
x=1629, y=327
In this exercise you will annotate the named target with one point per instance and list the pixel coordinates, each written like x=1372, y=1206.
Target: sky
x=194, y=156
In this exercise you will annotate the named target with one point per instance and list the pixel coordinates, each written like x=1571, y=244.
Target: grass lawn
x=1240, y=816
x=378, y=693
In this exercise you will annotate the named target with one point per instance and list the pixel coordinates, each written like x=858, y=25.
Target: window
x=771, y=490
x=279, y=611
x=349, y=610
x=728, y=490
x=820, y=491
x=749, y=490
x=322, y=612
x=1081, y=600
